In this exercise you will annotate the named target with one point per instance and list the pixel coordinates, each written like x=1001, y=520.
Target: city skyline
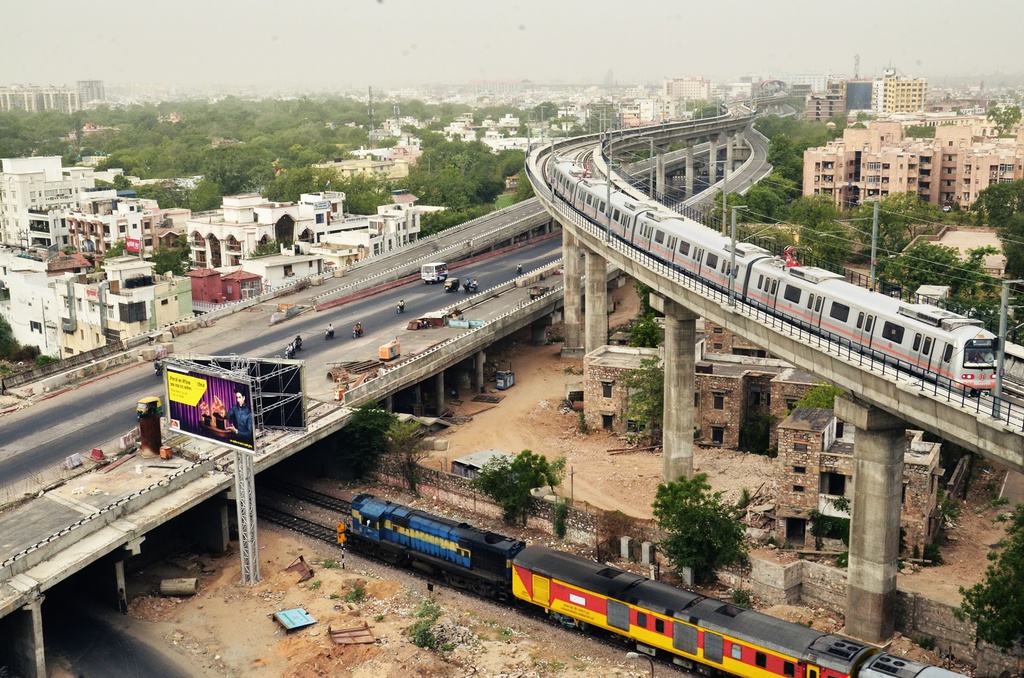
x=395, y=43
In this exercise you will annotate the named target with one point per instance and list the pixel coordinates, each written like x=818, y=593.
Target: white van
x=434, y=273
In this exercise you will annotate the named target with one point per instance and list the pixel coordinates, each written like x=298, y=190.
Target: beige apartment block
x=872, y=163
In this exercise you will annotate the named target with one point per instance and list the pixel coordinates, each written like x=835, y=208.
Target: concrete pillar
x=21, y=640
x=712, y=160
x=659, y=177
x=481, y=357
x=680, y=348
x=597, y=301
x=538, y=333
x=212, y=527
x=689, y=169
x=729, y=142
x=572, y=296
x=878, y=449
x=439, y=393
x=417, y=394
x=120, y=587
x=646, y=553
x=624, y=543
x=389, y=403
x=464, y=379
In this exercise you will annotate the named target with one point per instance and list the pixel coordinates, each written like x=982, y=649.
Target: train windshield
x=980, y=353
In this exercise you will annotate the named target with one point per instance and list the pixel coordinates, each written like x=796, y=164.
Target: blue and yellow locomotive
x=456, y=553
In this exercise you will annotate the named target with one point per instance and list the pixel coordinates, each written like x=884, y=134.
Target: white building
x=102, y=218
x=33, y=194
x=690, y=88
x=31, y=306
x=281, y=269
x=393, y=226
x=123, y=301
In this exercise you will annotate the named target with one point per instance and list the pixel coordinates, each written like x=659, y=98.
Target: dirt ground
x=227, y=629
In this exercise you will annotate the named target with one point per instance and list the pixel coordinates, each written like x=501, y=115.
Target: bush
x=932, y=553
x=422, y=632
x=561, y=513
x=356, y=595
x=741, y=598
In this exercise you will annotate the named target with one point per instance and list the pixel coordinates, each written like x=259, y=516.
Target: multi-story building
x=123, y=301
x=816, y=473
x=872, y=163
x=817, y=82
x=690, y=88
x=29, y=303
x=103, y=218
x=35, y=99
x=34, y=194
x=895, y=94
x=825, y=105
x=91, y=92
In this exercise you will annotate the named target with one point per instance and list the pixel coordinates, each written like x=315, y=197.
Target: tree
x=8, y=344
x=646, y=333
x=925, y=263
x=366, y=437
x=116, y=250
x=999, y=202
x=901, y=218
x=1011, y=235
x=1004, y=117
x=996, y=605
x=822, y=396
x=509, y=481
x=820, y=229
x=646, y=401
x=205, y=196
x=406, y=448
x=175, y=259
x=704, y=532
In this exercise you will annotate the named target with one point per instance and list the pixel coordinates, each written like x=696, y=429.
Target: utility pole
x=1004, y=303
x=732, y=258
x=725, y=185
x=874, y=245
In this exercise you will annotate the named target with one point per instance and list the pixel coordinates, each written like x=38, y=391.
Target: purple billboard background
x=191, y=421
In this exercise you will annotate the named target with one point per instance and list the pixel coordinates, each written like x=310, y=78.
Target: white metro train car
x=929, y=341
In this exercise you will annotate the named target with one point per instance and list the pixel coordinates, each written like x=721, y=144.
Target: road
x=34, y=441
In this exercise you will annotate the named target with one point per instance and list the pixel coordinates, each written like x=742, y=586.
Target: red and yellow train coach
x=709, y=635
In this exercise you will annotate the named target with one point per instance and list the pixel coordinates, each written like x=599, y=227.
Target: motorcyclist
x=519, y=268
x=298, y=342
x=358, y=329
x=473, y=285
x=330, y=330
x=401, y=305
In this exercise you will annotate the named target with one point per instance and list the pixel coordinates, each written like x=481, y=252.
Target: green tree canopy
x=366, y=437
x=646, y=333
x=1004, y=117
x=901, y=218
x=820, y=230
x=996, y=605
x=822, y=396
x=926, y=263
x=646, y=400
x=406, y=448
x=999, y=202
x=508, y=481
x=704, y=531
x=175, y=259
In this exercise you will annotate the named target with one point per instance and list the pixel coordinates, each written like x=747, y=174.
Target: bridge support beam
x=712, y=159
x=659, y=176
x=730, y=141
x=680, y=352
x=478, y=363
x=878, y=451
x=439, y=393
x=689, y=170
x=212, y=527
x=597, y=301
x=572, y=295
x=21, y=640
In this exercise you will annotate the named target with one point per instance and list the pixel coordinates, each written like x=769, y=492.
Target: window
x=607, y=421
x=712, y=261
x=606, y=389
x=799, y=447
x=736, y=651
x=696, y=399
x=817, y=304
x=775, y=286
x=917, y=341
x=761, y=659
x=718, y=434
x=755, y=396
x=799, y=489
x=659, y=625
x=713, y=647
x=717, y=330
x=927, y=346
x=718, y=400
x=788, y=669
x=659, y=237
x=799, y=469
x=684, y=248
x=616, y=215
x=35, y=326
x=860, y=320
x=760, y=281
x=792, y=294
x=948, y=354
x=839, y=312
x=641, y=620
x=869, y=324
x=892, y=332
x=810, y=301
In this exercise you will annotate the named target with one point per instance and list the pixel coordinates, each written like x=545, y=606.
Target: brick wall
x=719, y=340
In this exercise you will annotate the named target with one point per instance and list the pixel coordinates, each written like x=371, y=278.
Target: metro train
x=691, y=630
x=922, y=339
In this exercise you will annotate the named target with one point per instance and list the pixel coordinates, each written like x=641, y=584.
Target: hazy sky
x=335, y=44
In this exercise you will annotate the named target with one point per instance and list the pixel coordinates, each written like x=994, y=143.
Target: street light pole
x=636, y=655
x=732, y=257
x=1004, y=303
x=874, y=245
x=608, y=176
x=650, y=173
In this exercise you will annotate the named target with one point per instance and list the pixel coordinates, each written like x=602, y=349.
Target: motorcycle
x=158, y=367
x=401, y=307
x=297, y=344
x=329, y=334
x=289, y=351
x=357, y=332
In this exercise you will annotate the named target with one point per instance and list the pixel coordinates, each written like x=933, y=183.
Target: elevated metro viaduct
x=879, y=404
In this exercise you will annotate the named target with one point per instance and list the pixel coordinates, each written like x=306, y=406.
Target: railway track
x=275, y=513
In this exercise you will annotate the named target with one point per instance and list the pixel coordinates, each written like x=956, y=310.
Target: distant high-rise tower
x=90, y=91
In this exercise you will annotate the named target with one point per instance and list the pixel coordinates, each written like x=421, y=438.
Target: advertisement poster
x=132, y=244
x=211, y=407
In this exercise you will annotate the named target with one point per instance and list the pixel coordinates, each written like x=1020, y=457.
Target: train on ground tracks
x=922, y=339
x=707, y=635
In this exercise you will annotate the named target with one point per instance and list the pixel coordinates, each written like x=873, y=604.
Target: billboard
x=132, y=244
x=211, y=407
x=281, y=388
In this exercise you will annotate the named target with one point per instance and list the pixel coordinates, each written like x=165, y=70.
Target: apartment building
x=123, y=301
x=34, y=194
x=102, y=218
x=896, y=94
x=690, y=88
x=34, y=99
x=868, y=164
x=822, y=106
